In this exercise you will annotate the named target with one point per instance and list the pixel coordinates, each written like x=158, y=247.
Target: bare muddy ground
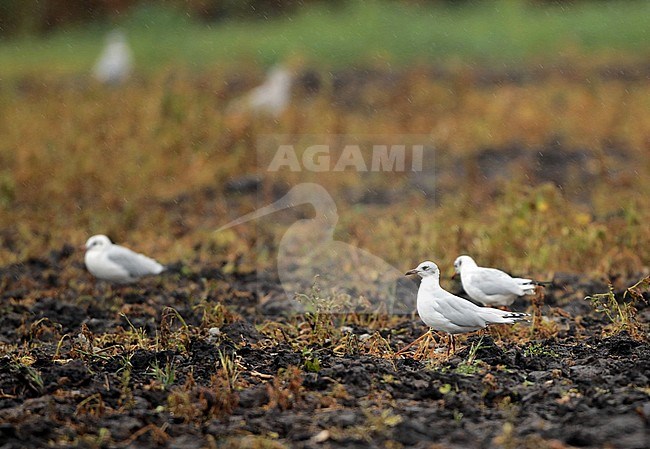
x=189, y=360
x=206, y=355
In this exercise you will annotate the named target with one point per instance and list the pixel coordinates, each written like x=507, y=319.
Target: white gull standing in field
x=116, y=61
x=443, y=311
x=489, y=286
x=115, y=263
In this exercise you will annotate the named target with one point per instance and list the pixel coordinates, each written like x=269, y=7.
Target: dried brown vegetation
x=540, y=174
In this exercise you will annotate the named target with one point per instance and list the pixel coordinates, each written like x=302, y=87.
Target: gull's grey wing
x=494, y=282
x=137, y=265
x=459, y=311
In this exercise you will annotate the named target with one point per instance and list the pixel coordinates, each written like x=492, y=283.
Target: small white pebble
x=321, y=436
x=81, y=339
x=214, y=331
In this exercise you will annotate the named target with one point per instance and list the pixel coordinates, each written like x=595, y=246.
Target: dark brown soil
x=77, y=373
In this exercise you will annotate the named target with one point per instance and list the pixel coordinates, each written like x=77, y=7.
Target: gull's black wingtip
x=544, y=283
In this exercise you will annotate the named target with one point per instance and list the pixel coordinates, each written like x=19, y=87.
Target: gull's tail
x=150, y=266
x=496, y=316
x=516, y=316
x=524, y=281
x=528, y=285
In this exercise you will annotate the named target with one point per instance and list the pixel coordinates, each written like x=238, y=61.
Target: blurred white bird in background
x=116, y=60
x=115, y=263
x=489, y=286
x=443, y=311
x=274, y=95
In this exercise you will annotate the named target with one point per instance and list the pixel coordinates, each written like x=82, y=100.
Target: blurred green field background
x=339, y=34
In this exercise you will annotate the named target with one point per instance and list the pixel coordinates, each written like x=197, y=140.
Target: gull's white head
x=97, y=243
x=425, y=269
x=463, y=261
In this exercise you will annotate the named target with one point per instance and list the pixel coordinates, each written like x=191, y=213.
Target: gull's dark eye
x=426, y=268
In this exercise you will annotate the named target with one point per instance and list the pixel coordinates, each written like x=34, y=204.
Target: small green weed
x=165, y=376
x=621, y=315
x=136, y=335
x=228, y=369
x=22, y=366
x=311, y=362
x=127, y=399
x=471, y=365
x=537, y=349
